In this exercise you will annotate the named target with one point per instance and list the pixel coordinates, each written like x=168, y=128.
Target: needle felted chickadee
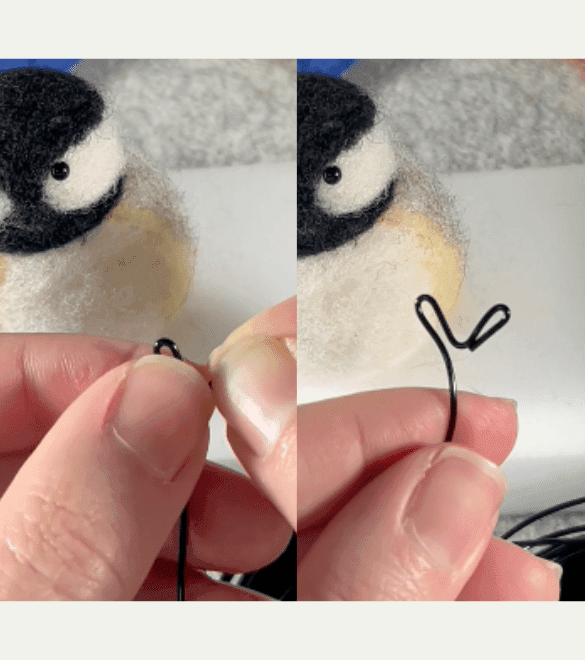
x=92, y=240
x=374, y=232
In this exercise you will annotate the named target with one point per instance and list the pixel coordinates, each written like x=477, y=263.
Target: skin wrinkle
x=285, y=445
x=483, y=418
x=406, y=428
x=288, y=441
x=76, y=372
x=135, y=351
x=321, y=455
x=412, y=565
x=399, y=432
x=361, y=436
x=374, y=456
x=80, y=375
x=393, y=578
x=336, y=585
x=52, y=588
x=357, y=465
x=409, y=566
x=30, y=400
x=30, y=375
x=36, y=536
x=358, y=461
x=369, y=448
x=30, y=379
x=451, y=575
x=405, y=573
x=403, y=579
x=6, y=576
x=55, y=532
x=437, y=584
x=435, y=417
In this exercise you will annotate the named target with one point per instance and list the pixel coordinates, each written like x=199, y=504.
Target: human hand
x=96, y=464
x=388, y=511
x=255, y=381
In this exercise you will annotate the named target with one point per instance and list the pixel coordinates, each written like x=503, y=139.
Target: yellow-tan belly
x=438, y=257
x=124, y=279
x=154, y=265
x=356, y=304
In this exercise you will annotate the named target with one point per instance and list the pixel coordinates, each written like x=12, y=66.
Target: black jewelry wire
x=184, y=520
x=474, y=341
x=561, y=546
x=268, y=580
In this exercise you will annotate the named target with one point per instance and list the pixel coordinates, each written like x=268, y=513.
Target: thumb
x=86, y=516
x=415, y=532
x=255, y=383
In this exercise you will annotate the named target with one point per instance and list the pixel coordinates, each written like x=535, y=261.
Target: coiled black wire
x=564, y=546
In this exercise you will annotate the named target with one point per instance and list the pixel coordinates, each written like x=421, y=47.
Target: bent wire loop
x=184, y=520
x=475, y=340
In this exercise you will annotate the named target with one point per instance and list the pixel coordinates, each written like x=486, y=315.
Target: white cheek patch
x=366, y=171
x=94, y=167
x=5, y=206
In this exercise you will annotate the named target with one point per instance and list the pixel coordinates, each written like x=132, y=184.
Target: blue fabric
x=333, y=68
x=60, y=65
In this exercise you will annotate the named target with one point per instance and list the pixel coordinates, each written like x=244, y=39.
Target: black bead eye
x=332, y=175
x=60, y=171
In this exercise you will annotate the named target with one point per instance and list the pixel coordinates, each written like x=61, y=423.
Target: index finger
x=345, y=442
x=42, y=374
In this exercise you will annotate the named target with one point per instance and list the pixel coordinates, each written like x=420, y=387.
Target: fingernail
x=239, y=334
x=553, y=566
x=454, y=504
x=255, y=382
x=231, y=340
x=512, y=402
x=161, y=413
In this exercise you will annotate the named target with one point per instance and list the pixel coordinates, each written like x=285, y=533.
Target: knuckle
x=400, y=577
x=57, y=554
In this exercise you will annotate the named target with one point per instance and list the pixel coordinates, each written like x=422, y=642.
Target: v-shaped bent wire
x=475, y=340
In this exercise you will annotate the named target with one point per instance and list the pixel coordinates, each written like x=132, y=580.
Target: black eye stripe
x=38, y=228
x=338, y=229
x=60, y=171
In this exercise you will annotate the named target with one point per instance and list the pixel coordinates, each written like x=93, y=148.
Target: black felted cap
x=43, y=113
x=332, y=115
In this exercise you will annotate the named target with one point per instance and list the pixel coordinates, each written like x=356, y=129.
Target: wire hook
x=170, y=344
x=472, y=342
